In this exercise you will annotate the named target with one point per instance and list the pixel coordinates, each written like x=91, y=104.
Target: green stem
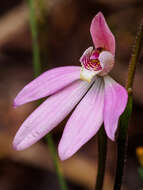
x=102, y=152
x=37, y=71
x=122, y=144
x=34, y=31
x=124, y=119
x=50, y=142
x=134, y=58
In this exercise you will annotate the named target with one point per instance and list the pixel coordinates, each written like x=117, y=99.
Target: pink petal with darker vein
x=114, y=104
x=49, y=114
x=101, y=34
x=84, y=122
x=47, y=83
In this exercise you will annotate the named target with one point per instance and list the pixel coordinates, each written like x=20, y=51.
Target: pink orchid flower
x=97, y=97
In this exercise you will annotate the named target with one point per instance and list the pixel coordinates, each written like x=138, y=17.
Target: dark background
x=63, y=27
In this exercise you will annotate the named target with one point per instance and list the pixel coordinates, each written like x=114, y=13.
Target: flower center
x=95, y=62
x=91, y=62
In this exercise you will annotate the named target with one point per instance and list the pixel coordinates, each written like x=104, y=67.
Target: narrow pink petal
x=114, y=104
x=84, y=122
x=49, y=114
x=47, y=83
x=101, y=34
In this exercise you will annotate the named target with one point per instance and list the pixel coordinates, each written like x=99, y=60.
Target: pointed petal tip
x=64, y=151
x=62, y=157
x=16, y=102
x=99, y=14
x=15, y=146
x=62, y=154
x=14, y=105
x=18, y=146
x=111, y=137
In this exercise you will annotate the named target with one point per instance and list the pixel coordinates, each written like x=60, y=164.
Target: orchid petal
x=84, y=122
x=107, y=62
x=49, y=114
x=86, y=53
x=101, y=34
x=47, y=83
x=114, y=104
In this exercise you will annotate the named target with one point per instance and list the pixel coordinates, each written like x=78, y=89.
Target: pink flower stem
x=102, y=152
x=37, y=71
x=124, y=119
